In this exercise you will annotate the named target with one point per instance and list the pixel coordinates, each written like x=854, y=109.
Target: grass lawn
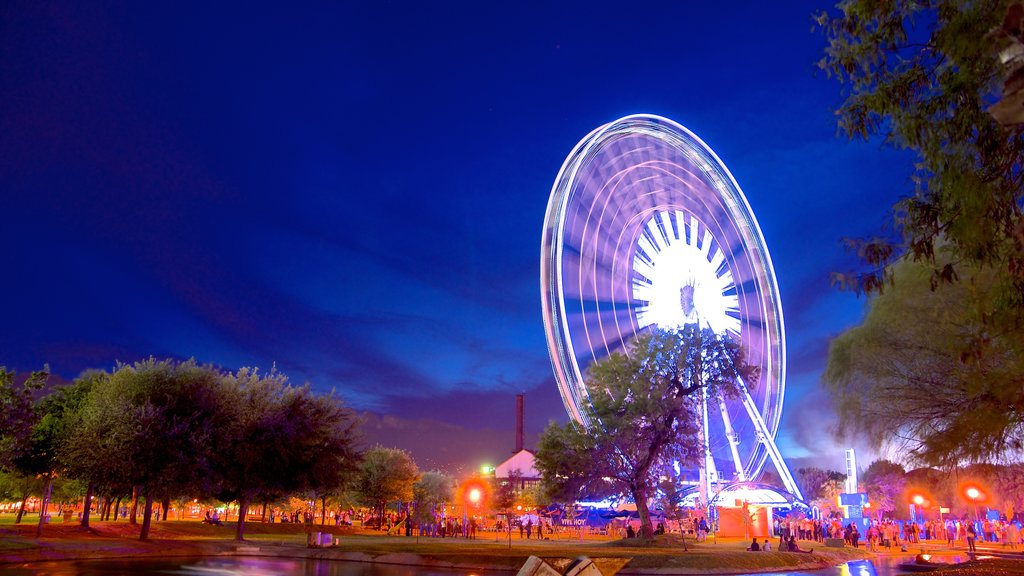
x=191, y=538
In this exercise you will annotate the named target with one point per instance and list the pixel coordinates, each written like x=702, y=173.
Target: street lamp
x=974, y=494
x=918, y=500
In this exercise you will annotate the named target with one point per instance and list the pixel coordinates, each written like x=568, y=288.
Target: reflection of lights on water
x=240, y=566
x=857, y=568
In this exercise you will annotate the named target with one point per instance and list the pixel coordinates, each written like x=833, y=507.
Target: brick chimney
x=519, y=423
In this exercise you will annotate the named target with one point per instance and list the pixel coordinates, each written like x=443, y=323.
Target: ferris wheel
x=646, y=227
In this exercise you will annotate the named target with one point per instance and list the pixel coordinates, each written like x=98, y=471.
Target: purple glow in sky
x=356, y=192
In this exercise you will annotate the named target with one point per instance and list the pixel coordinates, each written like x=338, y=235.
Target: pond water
x=264, y=566
x=881, y=566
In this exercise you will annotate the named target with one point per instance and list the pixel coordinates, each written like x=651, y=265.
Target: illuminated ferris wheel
x=646, y=227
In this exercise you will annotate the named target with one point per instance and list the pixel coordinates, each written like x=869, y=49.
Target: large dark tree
x=644, y=407
x=923, y=75
x=904, y=380
x=430, y=493
x=17, y=412
x=885, y=483
x=815, y=482
x=386, y=475
x=156, y=424
x=39, y=457
x=281, y=439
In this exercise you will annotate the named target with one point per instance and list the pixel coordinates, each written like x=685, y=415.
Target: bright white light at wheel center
x=685, y=283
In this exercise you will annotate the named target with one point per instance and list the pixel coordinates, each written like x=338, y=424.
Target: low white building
x=521, y=466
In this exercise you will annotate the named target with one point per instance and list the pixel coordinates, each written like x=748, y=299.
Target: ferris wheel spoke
x=768, y=440
x=733, y=440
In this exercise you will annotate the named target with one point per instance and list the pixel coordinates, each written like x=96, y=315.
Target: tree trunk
x=21, y=510
x=646, y=529
x=165, y=505
x=87, y=505
x=117, y=508
x=44, y=505
x=135, y=506
x=243, y=509
x=263, y=513
x=323, y=511
x=147, y=517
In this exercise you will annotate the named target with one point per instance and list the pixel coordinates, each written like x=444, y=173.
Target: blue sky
x=355, y=192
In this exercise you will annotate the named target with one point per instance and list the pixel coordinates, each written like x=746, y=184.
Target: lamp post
x=918, y=500
x=973, y=493
x=474, y=498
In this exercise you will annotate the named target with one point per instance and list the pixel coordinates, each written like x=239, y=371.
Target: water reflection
x=267, y=566
x=858, y=568
x=224, y=566
x=881, y=566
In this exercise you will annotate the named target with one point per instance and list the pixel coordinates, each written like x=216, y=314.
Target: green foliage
x=504, y=497
x=922, y=75
x=276, y=439
x=171, y=428
x=815, y=482
x=385, y=475
x=670, y=497
x=644, y=407
x=430, y=492
x=927, y=374
x=17, y=412
x=885, y=483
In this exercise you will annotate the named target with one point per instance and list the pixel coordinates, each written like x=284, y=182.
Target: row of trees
x=162, y=429
x=891, y=488
x=168, y=431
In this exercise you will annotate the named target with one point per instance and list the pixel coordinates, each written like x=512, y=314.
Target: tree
x=814, y=482
x=156, y=426
x=17, y=413
x=385, y=475
x=279, y=439
x=504, y=495
x=911, y=386
x=65, y=413
x=39, y=456
x=92, y=451
x=1009, y=482
x=19, y=487
x=670, y=502
x=923, y=76
x=431, y=492
x=644, y=407
x=885, y=483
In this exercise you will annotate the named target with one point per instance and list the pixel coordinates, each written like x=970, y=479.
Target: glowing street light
x=975, y=494
x=474, y=495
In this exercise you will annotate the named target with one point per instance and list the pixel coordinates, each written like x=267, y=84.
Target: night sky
x=355, y=193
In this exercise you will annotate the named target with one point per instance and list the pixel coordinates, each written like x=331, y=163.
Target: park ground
x=67, y=541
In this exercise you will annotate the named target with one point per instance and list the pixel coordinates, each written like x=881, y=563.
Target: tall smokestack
x=519, y=423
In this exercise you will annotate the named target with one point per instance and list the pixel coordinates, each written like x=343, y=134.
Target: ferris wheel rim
x=568, y=372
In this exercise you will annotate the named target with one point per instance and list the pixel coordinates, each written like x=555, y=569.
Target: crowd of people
x=889, y=533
